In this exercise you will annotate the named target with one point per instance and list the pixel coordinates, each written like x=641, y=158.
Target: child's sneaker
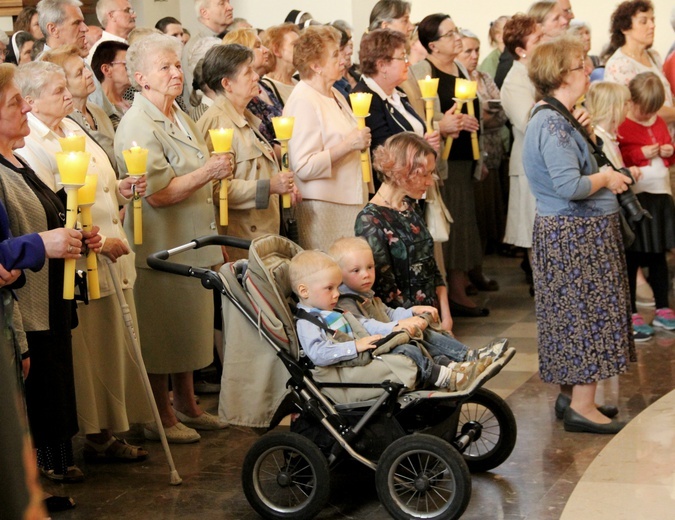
x=641, y=331
x=665, y=318
x=460, y=376
x=494, y=350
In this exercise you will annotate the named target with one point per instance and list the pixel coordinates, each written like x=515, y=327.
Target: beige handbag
x=436, y=215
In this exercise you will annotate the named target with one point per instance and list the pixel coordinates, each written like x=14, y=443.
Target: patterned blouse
x=406, y=273
x=265, y=112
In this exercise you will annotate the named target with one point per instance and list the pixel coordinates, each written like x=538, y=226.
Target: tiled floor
x=535, y=483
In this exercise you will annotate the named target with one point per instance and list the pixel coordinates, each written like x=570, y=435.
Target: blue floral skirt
x=582, y=301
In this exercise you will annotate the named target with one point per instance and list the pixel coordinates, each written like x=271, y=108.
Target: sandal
x=115, y=450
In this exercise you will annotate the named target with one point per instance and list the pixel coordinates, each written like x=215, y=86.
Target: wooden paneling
x=10, y=7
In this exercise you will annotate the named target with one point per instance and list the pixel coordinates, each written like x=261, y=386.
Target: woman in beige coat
x=253, y=195
x=175, y=313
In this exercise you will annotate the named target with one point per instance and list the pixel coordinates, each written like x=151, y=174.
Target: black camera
x=629, y=201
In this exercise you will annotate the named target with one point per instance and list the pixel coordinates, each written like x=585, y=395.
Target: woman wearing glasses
x=462, y=252
x=384, y=62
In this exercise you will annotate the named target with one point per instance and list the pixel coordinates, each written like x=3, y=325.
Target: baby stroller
x=421, y=444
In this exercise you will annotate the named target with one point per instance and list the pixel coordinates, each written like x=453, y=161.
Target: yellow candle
x=286, y=197
x=474, y=135
x=448, y=140
x=462, y=89
x=72, y=143
x=428, y=86
x=72, y=167
x=87, y=193
x=429, y=110
x=92, y=264
x=136, y=159
x=283, y=127
x=221, y=139
x=360, y=102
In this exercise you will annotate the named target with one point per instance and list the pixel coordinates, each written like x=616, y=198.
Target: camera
x=629, y=201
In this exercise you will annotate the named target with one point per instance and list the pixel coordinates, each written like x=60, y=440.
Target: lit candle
x=72, y=143
x=72, y=167
x=136, y=159
x=283, y=129
x=428, y=86
x=462, y=88
x=222, y=143
x=86, y=197
x=465, y=91
x=361, y=107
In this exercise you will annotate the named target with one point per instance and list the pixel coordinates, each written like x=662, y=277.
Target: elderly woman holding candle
x=80, y=83
x=45, y=316
x=107, y=378
x=325, y=147
x=253, y=195
x=265, y=105
x=175, y=314
x=462, y=251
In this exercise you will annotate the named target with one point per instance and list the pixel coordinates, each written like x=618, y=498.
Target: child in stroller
x=355, y=258
x=331, y=337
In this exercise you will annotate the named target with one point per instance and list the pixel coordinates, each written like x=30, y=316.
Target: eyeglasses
x=128, y=10
x=450, y=34
x=405, y=58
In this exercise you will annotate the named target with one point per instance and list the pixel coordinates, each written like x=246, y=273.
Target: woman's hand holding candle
x=221, y=139
x=136, y=184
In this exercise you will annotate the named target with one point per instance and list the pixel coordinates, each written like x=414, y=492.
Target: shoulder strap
x=271, y=85
x=551, y=103
x=302, y=314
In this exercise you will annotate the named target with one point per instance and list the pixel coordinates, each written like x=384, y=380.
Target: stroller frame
x=442, y=447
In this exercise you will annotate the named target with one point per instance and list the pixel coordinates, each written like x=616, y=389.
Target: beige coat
x=253, y=212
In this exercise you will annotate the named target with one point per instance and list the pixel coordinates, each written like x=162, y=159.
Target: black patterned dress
x=406, y=273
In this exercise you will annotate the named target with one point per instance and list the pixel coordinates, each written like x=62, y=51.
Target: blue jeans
x=438, y=344
x=424, y=364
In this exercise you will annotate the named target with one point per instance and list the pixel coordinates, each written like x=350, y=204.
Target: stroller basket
x=420, y=444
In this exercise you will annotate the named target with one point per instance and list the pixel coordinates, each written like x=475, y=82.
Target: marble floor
x=551, y=474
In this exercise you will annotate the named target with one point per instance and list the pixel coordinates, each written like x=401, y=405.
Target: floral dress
x=406, y=273
x=266, y=112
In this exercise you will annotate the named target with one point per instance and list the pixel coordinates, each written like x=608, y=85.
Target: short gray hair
x=103, y=9
x=33, y=77
x=201, y=4
x=52, y=11
x=387, y=11
x=224, y=61
x=143, y=48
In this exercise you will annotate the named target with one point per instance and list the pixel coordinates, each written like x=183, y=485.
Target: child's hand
x=650, y=151
x=410, y=325
x=367, y=343
x=666, y=150
x=421, y=309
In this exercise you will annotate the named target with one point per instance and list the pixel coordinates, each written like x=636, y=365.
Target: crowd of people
x=543, y=185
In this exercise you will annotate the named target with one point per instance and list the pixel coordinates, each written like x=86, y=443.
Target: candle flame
x=133, y=143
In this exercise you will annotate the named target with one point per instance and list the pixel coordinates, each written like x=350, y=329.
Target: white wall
x=472, y=14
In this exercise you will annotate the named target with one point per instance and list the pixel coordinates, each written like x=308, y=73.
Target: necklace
x=638, y=58
x=405, y=202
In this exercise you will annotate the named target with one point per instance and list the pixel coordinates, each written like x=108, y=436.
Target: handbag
x=436, y=215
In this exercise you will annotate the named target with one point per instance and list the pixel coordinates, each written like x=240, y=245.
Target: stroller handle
x=159, y=260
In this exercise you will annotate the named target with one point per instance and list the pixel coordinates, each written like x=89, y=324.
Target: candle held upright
x=86, y=196
x=283, y=129
x=221, y=139
x=429, y=89
x=136, y=159
x=72, y=168
x=360, y=102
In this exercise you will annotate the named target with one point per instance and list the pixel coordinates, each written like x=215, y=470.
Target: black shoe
x=575, y=422
x=471, y=290
x=563, y=402
x=459, y=310
x=55, y=504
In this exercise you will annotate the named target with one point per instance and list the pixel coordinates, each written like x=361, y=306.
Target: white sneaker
x=176, y=434
x=205, y=421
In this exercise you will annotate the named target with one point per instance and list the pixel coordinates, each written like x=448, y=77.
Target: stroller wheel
x=286, y=476
x=494, y=420
x=422, y=476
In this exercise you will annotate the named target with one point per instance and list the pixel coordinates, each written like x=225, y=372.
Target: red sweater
x=633, y=136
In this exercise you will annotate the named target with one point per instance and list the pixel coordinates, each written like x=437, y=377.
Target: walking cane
x=174, y=479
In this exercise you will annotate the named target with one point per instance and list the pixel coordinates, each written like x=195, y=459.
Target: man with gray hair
x=214, y=17
x=62, y=23
x=117, y=18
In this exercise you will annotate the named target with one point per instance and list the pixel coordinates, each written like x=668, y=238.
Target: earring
x=523, y=55
x=146, y=87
